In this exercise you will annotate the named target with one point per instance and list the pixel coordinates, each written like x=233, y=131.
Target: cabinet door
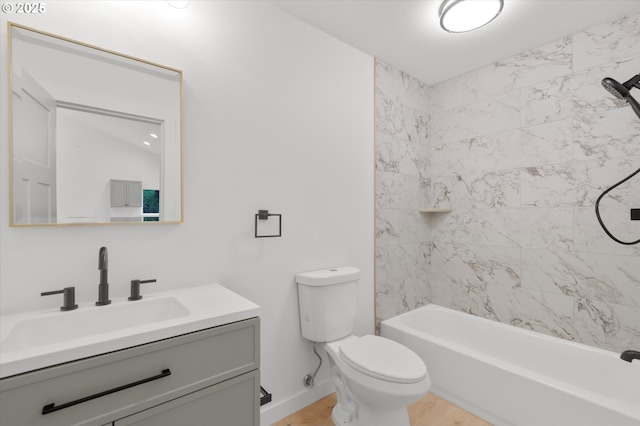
x=134, y=193
x=234, y=402
x=118, y=193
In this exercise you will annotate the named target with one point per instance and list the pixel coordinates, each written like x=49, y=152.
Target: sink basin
x=39, y=339
x=56, y=328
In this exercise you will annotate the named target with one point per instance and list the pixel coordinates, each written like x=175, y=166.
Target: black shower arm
x=633, y=82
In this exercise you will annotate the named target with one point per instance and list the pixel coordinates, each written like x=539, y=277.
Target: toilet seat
x=383, y=359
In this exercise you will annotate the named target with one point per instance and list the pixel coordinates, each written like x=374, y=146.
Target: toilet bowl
x=375, y=378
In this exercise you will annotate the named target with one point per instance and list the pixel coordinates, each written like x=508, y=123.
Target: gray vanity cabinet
x=223, y=404
x=126, y=193
x=209, y=377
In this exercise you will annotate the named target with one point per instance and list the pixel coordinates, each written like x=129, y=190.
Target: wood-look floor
x=430, y=410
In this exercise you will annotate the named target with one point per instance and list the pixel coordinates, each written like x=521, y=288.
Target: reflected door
x=34, y=157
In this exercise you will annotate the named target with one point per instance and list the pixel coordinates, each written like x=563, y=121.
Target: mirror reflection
x=95, y=136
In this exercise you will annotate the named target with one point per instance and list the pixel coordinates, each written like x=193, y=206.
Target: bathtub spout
x=630, y=355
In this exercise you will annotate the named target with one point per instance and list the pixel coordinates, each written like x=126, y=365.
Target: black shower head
x=621, y=91
x=615, y=88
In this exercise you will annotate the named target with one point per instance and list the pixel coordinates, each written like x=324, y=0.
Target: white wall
x=277, y=116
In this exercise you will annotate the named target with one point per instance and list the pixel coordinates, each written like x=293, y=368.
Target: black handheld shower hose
x=598, y=210
x=620, y=91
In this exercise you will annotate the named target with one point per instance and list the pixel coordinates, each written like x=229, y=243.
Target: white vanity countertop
x=94, y=330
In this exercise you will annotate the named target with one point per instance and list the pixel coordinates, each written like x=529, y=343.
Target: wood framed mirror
x=83, y=119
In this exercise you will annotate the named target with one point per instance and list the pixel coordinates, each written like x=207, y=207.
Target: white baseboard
x=272, y=412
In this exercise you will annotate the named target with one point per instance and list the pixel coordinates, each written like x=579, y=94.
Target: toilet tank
x=327, y=300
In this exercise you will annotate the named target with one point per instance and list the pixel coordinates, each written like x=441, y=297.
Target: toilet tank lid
x=329, y=276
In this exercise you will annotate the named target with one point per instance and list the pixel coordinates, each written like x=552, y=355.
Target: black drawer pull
x=51, y=407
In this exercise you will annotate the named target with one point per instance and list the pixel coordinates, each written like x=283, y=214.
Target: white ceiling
x=407, y=34
x=119, y=130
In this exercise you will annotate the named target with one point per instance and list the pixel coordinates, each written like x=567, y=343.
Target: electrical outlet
x=635, y=214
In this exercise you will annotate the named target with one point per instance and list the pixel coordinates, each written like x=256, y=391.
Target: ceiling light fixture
x=153, y=135
x=459, y=16
x=178, y=4
x=146, y=143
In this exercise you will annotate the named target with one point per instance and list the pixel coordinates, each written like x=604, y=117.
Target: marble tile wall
x=402, y=187
x=520, y=150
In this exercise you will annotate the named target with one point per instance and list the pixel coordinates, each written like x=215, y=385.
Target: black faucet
x=103, y=286
x=630, y=355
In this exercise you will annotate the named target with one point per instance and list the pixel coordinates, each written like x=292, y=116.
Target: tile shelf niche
x=436, y=210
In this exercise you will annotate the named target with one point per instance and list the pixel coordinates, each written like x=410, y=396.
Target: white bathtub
x=508, y=375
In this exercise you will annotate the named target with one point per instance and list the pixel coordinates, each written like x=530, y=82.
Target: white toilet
x=375, y=378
